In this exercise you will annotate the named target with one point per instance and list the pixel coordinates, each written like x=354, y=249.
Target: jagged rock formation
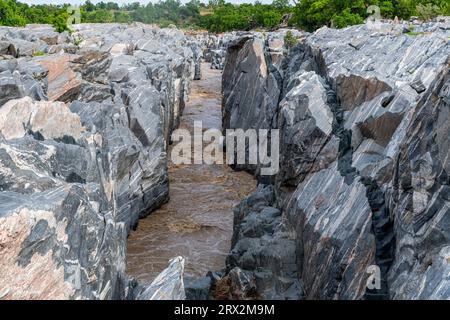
x=260, y=242
x=419, y=200
x=215, y=47
x=84, y=124
x=168, y=285
x=363, y=178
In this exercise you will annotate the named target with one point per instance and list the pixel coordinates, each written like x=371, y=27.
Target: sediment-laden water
x=197, y=222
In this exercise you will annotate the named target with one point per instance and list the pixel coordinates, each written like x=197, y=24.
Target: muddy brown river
x=197, y=222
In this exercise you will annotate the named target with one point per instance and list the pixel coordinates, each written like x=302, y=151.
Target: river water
x=197, y=222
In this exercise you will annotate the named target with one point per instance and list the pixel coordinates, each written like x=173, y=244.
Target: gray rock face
x=362, y=117
x=19, y=78
x=214, y=47
x=263, y=249
x=79, y=170
x=197, y=289
x=419, y=200
x=168, y=285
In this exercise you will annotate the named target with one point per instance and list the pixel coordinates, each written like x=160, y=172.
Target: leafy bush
x=59, y=22
x=289, y=40
x=428, y=11
x=10, y=15
x=227, y=16
x=313, y=14
x=346, y=18
x=405, y=8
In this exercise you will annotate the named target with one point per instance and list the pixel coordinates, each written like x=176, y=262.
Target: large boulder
x=263, y=259
x=20, y=78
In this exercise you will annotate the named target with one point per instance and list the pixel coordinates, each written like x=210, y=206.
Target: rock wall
x=214, y=46
x=85, y=120
x=362, y=114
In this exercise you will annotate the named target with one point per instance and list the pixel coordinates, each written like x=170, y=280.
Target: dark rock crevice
x=382, y=222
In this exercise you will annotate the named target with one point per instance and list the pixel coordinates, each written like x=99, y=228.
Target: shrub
x=346, y=18
x=428, y=11
x=289, y=40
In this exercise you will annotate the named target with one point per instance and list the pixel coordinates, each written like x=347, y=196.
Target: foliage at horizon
x=220, y=16
x=313, y=14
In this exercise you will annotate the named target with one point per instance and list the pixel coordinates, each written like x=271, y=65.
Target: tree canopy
x=220, y=16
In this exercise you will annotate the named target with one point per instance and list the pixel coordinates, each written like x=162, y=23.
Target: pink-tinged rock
x=42, y=278
x=64, y=83
x=50, y=119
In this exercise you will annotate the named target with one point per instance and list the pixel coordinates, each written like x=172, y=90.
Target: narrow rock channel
x=197, y=222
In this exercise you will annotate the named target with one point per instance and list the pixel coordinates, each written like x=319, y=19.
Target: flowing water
x=197, y=222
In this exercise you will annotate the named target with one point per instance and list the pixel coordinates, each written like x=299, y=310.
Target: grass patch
x=38, y=54
x=413, y=34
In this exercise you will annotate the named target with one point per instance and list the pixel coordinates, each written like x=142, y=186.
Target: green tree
x=122, y=17
x=98, y=16
x=346, y=18
x=88, y=6
x=271, y=19
x=10, y=15
x=289, y=40
x=219, y=16
x=428, y=11
x=280, y=4
x=405, y=8
x=59, y=21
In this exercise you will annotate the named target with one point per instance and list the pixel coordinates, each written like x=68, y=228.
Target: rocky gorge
x=85, y=129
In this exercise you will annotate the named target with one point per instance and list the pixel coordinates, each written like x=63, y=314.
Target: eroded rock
x=360, y=183
x=77, y=171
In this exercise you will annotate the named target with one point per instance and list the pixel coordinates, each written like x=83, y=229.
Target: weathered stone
x=360, y=182
x=8, y=48
x=306, y=124
x=419, y=200
x=197, y=289
x=51, y=231
x=76, y=177
x=168, y=285
x=262, y=250
x=18, y=117
x=63, y=82
x=242, y=283
x=10, y=87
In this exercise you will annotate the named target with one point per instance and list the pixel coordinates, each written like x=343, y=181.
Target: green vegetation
x=220, y=16
x=289, y=40
x=312, y=14
x=13, y=13
x=227, y=16
x=428, y=11
x=413, y=34
x=38, y=54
